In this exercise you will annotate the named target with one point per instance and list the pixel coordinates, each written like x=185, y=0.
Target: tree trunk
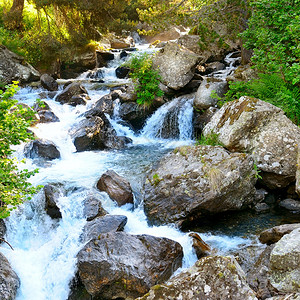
x=13, y=19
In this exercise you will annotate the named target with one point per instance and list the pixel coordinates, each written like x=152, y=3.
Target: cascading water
x=45, y=249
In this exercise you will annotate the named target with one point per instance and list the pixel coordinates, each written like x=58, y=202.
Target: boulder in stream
x=194, y=181
x=108, y=223
x=41, y=148
x=176, y=65
x=49, y=83
x=117, y=187
x=52, y=193
x=120, y=265
x=211, y=278
x=9, y=280
x=70, y=94
x=96, y=133
x=261, y=129
x=93, y=206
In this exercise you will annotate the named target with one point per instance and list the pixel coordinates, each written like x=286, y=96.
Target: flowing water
x=45, y=249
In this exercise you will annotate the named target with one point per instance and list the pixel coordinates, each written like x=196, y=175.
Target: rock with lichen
x=211, y=278
x=195, y=181
x=261, y=129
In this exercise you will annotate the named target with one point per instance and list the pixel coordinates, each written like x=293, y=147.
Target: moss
x=247, y=105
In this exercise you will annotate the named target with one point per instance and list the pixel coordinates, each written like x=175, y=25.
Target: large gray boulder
x=176, y=65
x=9, y=280
x=14, y=68
x=117, y=187
x=211, y=278
x=285, y=262
x=261, y=129
x=195, y=181
x=49, y=83
x=119, y=265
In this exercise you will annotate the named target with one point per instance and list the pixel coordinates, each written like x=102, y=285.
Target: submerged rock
x=176, y=65
x=195, y=181
x=291, y=205
x=211, y=278
x=253, y=126
x=9, y=280
x=109, y=272
x=117, y=187
x=41, y=148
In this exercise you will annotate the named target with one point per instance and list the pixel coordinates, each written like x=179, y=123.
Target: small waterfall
x=173, y=120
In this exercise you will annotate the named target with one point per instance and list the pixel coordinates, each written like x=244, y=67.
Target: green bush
x=14, y=123
x=211, y=139
x=146, y=79
x=270, y=88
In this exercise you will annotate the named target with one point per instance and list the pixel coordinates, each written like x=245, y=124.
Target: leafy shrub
x=211, y=139
x=14, y=122
x=145, y=77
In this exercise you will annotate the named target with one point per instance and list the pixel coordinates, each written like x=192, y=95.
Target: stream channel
x=45, y=250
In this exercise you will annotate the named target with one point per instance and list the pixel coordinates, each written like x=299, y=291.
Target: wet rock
x=243, y=73
x=201, y=118
x=211, y=278
x=93, y=206
x=14, y=68
x=253, y=126
x=104, y=105
x=2, y=229
x=204, y=98
x=119, y=44
x=117, y=187
x=52, y=193
x=284, y=263
x=274, y=234
x=79, y=100
x=201, y=248
x=103, y=58
x=122, y=72
x=41, y=148
x=108, y=223
x=72, y=90
x=108, y=272
x=9, y=280
x=291, y=205
x=176, y=65
x=135, y=114
x=47, y=116
x=194, y=181
x=261, y=208
x=294, y=296
x=49, y=83
x=129, y=95
x=96, y=133
x=214, y=66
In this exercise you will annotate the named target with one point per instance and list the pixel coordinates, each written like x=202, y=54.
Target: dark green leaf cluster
x=146, y=79
x=14, y=123
x=274, y=34
x=211, y=139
